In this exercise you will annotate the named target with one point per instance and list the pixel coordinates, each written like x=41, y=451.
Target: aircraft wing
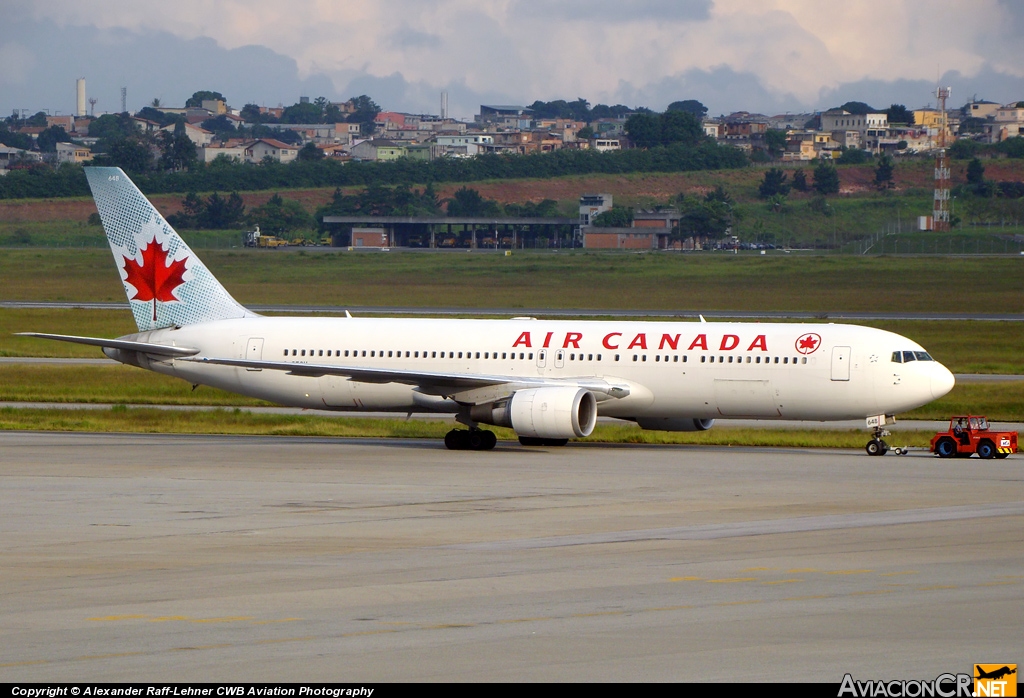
x=428, y=382
x=127, y=345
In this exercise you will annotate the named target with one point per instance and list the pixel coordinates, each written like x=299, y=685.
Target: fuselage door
x=840, y=363
x=542, y=358
x=254, y=351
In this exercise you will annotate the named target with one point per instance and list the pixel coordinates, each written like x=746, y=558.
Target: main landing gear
x=470, y=440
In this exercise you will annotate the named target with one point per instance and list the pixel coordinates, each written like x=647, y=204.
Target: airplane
x=547, y=380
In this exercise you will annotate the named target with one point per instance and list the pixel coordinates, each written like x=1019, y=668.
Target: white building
x=269, y=147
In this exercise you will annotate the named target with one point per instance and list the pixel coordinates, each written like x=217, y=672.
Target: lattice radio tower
x=940, y=208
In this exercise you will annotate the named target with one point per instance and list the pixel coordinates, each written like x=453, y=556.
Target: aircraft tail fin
x=166, y=283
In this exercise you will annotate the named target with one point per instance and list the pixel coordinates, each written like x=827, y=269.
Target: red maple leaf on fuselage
x=154, y=279
x=808, y=342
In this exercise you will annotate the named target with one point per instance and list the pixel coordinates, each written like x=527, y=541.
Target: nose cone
x=942, y=380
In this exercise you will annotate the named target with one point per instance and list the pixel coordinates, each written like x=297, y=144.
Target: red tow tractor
x=969, y=434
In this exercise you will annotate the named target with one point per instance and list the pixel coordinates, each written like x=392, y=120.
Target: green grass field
x=238, y=421
x=566, y=279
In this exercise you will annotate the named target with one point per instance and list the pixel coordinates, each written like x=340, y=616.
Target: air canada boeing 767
x=548, y=380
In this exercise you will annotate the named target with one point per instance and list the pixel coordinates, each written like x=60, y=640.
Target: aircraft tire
x=874, y=448
x=457, y=440
x=490, y=440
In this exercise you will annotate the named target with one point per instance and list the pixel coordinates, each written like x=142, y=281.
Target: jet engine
x=675, y=423
x=546, y=413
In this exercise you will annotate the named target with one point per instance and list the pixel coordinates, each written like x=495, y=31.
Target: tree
x=310, y=152
x=800, y=180
x=883, y=173
x=689, y=105
x=111, y=126
x=365, y=113
x=775, y=140
x=130, y=154
x=281, y=216
x=50, y=137
x=179, y=152
x=826, y=179
x=468, y=202
x=644, y=130
x=615, y=217
x=155, y=103
x=302, y=113
x=899, y=114
x=858, y=108
x=854, y=156
x=774, y=183
x=197, y=98
x=681, y=127
x=975, y=172
x=585, y=133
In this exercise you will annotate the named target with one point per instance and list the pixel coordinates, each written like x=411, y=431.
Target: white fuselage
x=674, y=370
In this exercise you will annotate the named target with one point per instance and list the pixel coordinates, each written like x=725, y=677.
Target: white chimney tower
x=80, y=110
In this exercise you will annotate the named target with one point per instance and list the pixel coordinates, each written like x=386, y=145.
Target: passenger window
x=785, y=359
x=321, y=353
x=634, y=357
x=684, y=358
x=286, y=352
x=303, y=352
x=530, y=356
x=776, y=359
x=572, y=357
x=730, y=359
x=617, y=357
x=503, y=354
x=644, y=357
x=803, y=360
x=433, y=355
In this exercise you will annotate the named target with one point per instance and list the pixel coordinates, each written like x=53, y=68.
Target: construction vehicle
x=254, y=238
x=969, y=434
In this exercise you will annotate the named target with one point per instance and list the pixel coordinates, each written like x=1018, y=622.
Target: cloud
x=773, y=55
x=614, y=10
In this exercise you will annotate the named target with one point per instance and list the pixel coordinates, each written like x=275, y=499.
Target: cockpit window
x=923, y=356
x=897, y=357
x=904, y=357
x=908, y=356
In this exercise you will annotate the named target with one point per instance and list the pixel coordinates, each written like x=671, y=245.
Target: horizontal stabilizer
x=124, y=344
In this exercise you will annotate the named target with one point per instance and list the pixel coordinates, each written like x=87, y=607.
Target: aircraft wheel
x=475, y=440
x=945, y=447
x=489, y=440
x=986, y=449
x=885, y=448
x=874, y=448
x=457, y=440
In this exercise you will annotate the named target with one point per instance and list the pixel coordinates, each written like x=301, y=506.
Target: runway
x=185, y=558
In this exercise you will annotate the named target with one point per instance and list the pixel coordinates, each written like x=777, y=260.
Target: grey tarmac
x=218, y=558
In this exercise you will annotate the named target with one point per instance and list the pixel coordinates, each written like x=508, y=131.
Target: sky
x=769, y=56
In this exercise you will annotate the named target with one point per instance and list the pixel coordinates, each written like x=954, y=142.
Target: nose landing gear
x=877, y=446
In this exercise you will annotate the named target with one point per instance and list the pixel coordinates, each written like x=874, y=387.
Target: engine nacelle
x=545, y=413
x=675, y=423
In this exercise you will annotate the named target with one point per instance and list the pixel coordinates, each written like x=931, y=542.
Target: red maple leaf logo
x=155, y=279
x=806, y=344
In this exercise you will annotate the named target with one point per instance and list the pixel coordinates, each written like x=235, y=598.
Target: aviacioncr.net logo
x=943, y=686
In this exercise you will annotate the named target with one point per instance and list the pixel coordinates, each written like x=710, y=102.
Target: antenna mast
x=940, y=208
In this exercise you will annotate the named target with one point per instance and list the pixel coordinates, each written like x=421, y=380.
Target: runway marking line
x=739, y=603
x=279, y=620
x=285, y=639
x=783, y=581
x=671, y=608
x=798, y=570
x=685, y=579
x=33, y=662
x=997, y=584
x=936, y=587
x=446, y=626
x=225, y=619
x=167, y=619
x=732, y=580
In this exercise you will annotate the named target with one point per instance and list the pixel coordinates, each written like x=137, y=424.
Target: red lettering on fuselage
x=572, y=338
x=729, y=342
x=639, y=341
x=607, y=344
x=524, y=339
x=672, y=342
x=547, y=339
x=701, y=341
x=759, y=343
